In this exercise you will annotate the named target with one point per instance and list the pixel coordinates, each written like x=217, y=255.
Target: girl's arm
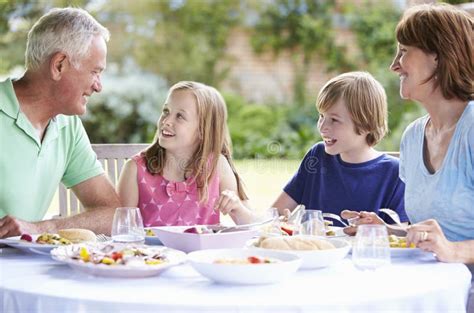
x=127, y=187
x=229, y=201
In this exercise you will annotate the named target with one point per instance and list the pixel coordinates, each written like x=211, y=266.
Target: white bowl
x=244, y=274
x=174, y=237
x=315, y=258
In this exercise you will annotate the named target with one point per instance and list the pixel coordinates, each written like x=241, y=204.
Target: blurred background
x=269, y=58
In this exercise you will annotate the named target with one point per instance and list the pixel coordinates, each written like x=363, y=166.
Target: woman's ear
x=58, y=65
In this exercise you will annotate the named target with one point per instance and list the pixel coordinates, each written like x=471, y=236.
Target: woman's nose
x=395, y=66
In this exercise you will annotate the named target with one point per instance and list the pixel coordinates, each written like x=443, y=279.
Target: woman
x=435, y=64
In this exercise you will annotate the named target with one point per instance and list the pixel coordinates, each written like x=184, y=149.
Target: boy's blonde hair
x=213, y=133
x=365, y=99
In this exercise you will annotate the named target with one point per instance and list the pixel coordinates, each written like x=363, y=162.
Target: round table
x=35, y=283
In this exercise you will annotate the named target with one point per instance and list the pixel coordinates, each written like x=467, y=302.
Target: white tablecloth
x=34, y=283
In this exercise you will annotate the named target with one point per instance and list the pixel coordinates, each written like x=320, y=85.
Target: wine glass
x=127, y=226
x=371, y=248
x=312, y=223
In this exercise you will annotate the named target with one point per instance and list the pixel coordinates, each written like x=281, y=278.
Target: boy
x=344, y=171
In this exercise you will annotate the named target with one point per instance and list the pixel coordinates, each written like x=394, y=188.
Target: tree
x=176, y=39
x=304, y=28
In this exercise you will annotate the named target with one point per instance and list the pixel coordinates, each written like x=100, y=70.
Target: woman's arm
x=127, y=187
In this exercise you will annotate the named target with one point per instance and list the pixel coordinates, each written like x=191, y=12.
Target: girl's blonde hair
x=214, y=135
x=365, y=99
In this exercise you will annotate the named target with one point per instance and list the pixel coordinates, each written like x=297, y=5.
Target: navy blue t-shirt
x=325, y=182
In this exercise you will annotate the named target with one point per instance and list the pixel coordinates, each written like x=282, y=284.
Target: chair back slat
x=112, y=157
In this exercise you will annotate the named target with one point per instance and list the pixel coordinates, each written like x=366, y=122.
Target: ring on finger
x=424, y=235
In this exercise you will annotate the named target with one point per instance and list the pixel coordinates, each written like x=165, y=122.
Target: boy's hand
x=359, y=218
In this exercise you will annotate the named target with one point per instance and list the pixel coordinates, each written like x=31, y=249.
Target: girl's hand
x=428, y=236
x=229, y=202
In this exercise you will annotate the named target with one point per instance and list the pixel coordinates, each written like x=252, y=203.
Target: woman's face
x=415, y=67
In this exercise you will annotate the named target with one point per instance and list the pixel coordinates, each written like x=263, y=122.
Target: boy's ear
x=58, y=64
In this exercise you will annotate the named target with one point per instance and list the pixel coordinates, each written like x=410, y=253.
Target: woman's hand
x=428, y=236
x=358, y=218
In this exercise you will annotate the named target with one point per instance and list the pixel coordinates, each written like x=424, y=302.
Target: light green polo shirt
x=30, y=170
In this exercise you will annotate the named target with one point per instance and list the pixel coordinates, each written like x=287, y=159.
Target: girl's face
x=414, y=67
x=178, y=126
x=338, y=131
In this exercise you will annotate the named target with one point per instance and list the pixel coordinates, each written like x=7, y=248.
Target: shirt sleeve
x=397, y=202
x=82, y=162
x=295, y=187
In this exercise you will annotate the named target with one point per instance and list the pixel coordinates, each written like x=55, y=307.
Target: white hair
x=67, y=30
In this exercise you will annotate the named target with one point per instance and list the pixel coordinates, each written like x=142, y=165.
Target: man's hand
x=10, y=226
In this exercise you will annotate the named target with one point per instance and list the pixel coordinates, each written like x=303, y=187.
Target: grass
x=264, y=180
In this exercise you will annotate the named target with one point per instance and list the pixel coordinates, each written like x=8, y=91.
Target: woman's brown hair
x=447, y=32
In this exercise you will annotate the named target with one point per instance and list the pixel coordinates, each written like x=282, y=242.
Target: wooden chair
x=112, y=157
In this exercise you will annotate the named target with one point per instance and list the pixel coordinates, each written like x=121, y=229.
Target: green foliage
x=269, y=131
x=303, y=27
x=127, y=109
x=179, y=40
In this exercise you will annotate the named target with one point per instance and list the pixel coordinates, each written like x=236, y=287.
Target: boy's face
x=338, y=131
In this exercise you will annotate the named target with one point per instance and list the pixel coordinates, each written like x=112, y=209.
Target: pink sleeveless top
x=168, y=203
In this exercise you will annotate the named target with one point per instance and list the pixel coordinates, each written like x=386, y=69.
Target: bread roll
x=76, y=235
x=295, y=243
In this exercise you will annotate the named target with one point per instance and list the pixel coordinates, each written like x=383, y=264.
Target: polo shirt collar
x=8, y=101
x=10, y=106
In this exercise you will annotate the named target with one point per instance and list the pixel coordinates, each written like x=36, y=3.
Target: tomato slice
x=254, y=260
x=287, y=230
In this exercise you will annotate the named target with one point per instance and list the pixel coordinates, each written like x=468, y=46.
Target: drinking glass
x=371, y=248
x=312, y=223
x=127, y=226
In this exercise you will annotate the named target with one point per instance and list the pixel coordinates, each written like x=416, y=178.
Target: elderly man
x=42, y=139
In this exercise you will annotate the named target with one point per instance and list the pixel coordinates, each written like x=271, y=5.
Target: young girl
x=345, y=171
x=186, y=176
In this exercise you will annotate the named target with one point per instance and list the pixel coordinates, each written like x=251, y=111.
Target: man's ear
x=58, y=64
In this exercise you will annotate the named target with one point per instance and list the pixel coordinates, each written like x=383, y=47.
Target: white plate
x=26, y=246
x=244, y=274
x=63, y=253
x=315, y=258
x=407, y=252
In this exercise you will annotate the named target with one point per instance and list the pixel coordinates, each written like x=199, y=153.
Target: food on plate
x=149, y=232
x=111, y=254
x=26, y=237
x=52, y=239
x=248, y=260
x=399, y=242
x=77, y=235
x=327, y=226
x=199, y=230
x=294, y=243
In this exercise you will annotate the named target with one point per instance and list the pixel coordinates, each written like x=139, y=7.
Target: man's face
x=78, y=84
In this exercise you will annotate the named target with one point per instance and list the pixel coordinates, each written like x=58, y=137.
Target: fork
x=335, y=217
x=102, y=238
x=394, y=216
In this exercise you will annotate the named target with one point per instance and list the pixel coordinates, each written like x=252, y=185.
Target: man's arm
x=99, y=199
